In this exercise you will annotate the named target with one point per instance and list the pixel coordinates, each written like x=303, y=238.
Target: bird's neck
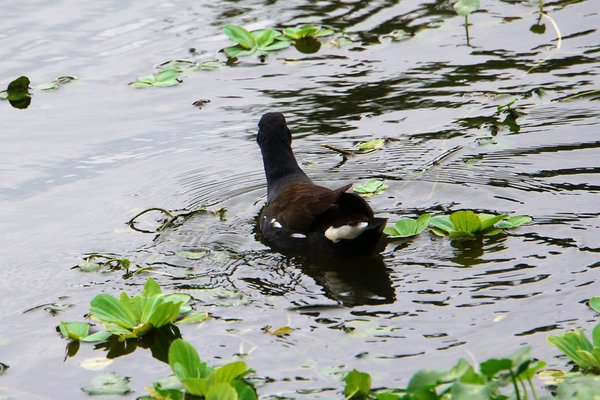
x=280, y=165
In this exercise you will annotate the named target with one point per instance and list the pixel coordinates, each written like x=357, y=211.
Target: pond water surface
x=80, y=161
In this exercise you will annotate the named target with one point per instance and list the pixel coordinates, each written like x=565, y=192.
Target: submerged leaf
x=108, y=384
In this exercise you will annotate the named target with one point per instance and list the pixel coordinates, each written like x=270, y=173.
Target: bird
x=302, y=217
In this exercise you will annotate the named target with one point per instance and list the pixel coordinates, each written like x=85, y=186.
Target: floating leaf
x=284, y=330
x=211, y=65
x=514, y=221
x=96, y=364
x=108, y=384
x=17, y=93
x=407, y=227
x=358, y=384
x=370, y=187
x=194, y=318
x=191, y=255
x=307, y=30
x=371, y=145
x=74, y=330
x=466, y=7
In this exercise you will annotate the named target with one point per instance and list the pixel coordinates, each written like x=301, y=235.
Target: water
x=81, y=161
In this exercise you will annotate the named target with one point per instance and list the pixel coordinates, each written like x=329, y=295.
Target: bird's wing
x=298, y=207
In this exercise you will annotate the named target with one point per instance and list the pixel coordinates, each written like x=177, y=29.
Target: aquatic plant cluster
x=130, y=318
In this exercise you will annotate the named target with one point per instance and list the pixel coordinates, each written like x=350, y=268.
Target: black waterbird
x=305, y=218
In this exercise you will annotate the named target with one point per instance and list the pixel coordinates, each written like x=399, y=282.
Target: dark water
x=80, y=161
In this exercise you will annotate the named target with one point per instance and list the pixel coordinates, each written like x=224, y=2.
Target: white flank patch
x=275, y=223
x=298, y=235
x=348, y=232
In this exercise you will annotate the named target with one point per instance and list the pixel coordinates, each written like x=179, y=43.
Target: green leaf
x=357, y=384
x=492, y=366
x=139, y=85
x=108, y=309
x=573, y=344
x=173, y=82
x=151, y=288
x=97, y=337
x=238, y=51
x=221, y=391
x=185, y=362
x=240, y=36
x=194, y=318
x=488, y=220
x=442, y=223
x=514, y=221
x=464, y=391
x=324, y=32
x=264, y=37
x=196, y=386
x=370, y=187
x=466, y=221
x=108, y=384
x=276, y=46
x=581, y=388
x=425, y=379
x=595, y=304
x=466, y=7
x=244, y=390
x=229, y=372
x=19, y=85
x=371, y=145
x=167, y=75
x=74, y=330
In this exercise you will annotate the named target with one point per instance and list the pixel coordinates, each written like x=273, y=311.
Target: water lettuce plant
x=164, y=78
x=466, y=224
x=224, y=382
x=370, y=187
x=305, y=31
x=407, y=227
x=491, y=380
x=132, y=317
x=575, y=344
x=261, y=42
x=17, y=93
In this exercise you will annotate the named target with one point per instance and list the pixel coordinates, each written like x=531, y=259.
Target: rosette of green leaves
x=578, y=347
x=465, y=224
x=199, y=379
x=370, y=187
x=132, y=317
x=407, y=227
x=261, y=42
x=164, y=78
x=307, y=30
